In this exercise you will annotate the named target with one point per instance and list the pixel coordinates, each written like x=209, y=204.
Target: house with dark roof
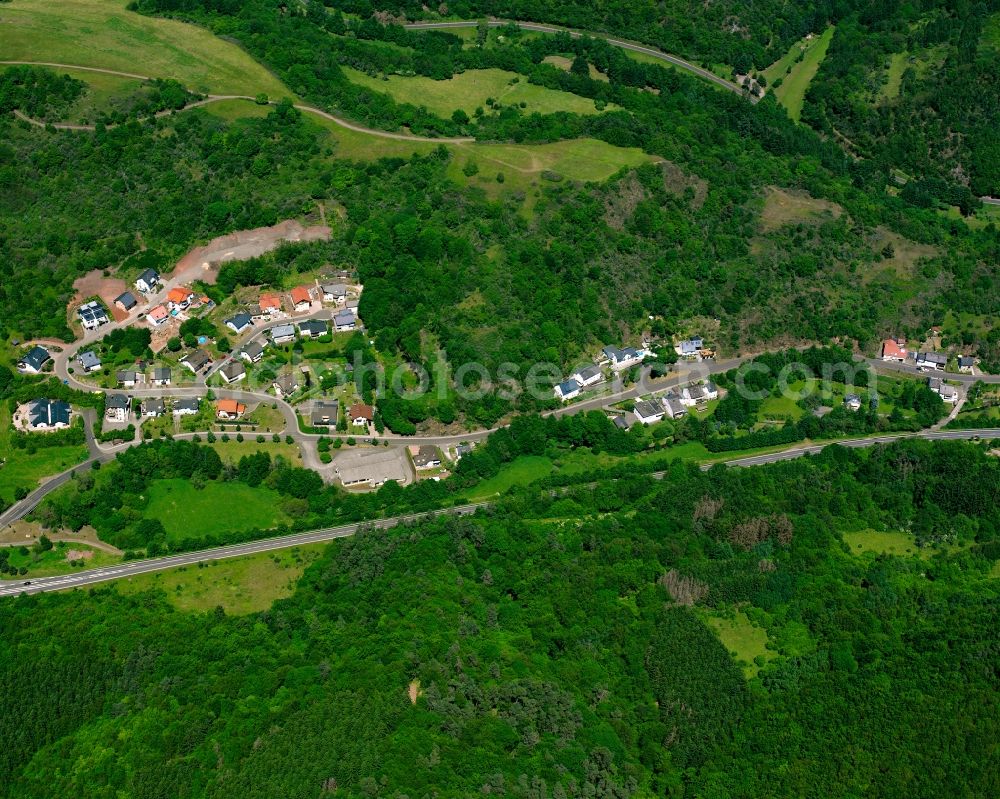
x=692, y=395
x=324, y=413
x=153, y=407
x=89, y=361
x=33, y=360
x=344, y=320
x=196, y=361
x=673, y=406
x=852, y=402
x=117, y=407
x=623, y=358
x=186, y=406
x=239, y=322
x=126, y=301
x=148, y=281
x=588, y=375
x=931, y=360
x=92, y=315
x=567, y=390
x=313, y=328
x=46, y=414
x=282, y=333
x=425, y=456
x=334, y=292
x=127, y=378
x=161, y=376
x=285, y=384
x=966, y=363
x=252, y=352
x=233, y=371
x=648, y=412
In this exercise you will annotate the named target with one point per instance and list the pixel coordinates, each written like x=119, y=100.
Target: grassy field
x=21, y=469
x=991, y=32
x=888, y=543
x=187, y=511
x=792, y=91
x=564, y=63
x=239, y=585
x=102, y=33
x=521, y=164
x=742, y=638
x=55, y=561
x=521, y=471
x=894, y=76
x=231, y=451
x=470, y=90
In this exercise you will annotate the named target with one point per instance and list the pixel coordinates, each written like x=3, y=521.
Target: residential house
x=89, y=361
x=334, y=292
x=270, y=304
x=313, y=328
x=648, y=412
x=282, y=333
x=229, y=409
x=256, y=313
x=233, y=371
x=673, y=406
x=161, y=376
x=623, y=358
x=92, y=315
x=239, y=322
x=425, y=456
x=252, y=352
x=567, y=390
x=966, y=363
x=157, y=316
x=153, y=407
x=126, y=301
x=46, y=414
x=619, y=421
x=301, y=298
x=33, y=360
x=852, y=402
x=931, y=360
x=892, y=351
x=947, y=393
x=689, y=347
x=344, y=320
x=148, y=281
x=285, y=384
x=186, y=406
x=127, y=378
x=692, y=395
x=462, y=450
x=117, y=407
x=196, y=361
x=362, y=415
x=325, y=413
x=180, y=297
x=588, y=375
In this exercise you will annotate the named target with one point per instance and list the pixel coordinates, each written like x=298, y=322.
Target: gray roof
x=92, y=312
x=674, y=406
x=127, y=299
x=966, y=360
x=49, y=412
x=36, y=357
x=153, y=407
x=324, y=413
x=125, y=376
x=696, y=392
x=568, y=387
x=279, y=331
x=313, y=326
x=197, y=359
x=239, y=320
x=254, y=350
x=426, y=455
x=933, y=357
x=149, y=277
x=852, y=398
x=344, y=317
x=691, y=345
x=115, y=401
x=162, y=373
x=186, y=404
x=587, y=372
x=336, y=289
x=89, y=360
x=286, y=383
x=647, y=409
x=620, y=423
x=234, y=369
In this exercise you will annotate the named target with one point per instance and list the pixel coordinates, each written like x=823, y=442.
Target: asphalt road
x=132, y=568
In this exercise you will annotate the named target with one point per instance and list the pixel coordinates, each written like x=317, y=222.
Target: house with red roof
x=892, y=351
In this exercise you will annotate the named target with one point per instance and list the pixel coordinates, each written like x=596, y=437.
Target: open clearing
x=470, y=90
x=186, y=511
x=743, y=639
x=102, y=33
x=564, y=63
x=792, y=91
x=238, y=585
x=888, y=543
x=61, y=559
x=791, y=206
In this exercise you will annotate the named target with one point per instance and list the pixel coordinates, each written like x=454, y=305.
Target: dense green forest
x=557, y=646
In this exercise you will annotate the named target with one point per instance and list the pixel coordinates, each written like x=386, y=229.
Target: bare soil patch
x=78, y=554
x=677, y=181
x=94, y=283
x=202, y=263
x=785, y=207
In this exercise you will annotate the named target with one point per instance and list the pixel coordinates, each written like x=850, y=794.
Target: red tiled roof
x=890, y=349
x=300, y=294
x=361, y=411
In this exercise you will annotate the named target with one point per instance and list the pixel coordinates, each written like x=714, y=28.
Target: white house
x=892, y=351
x=313, y=328
x=127, y=378
x=623, y=358
x=239, y=322
x=648, y=412
x=89, y=361
x=161, y=376
x=117, y=407
x=692, y=395
x=966, y=363
x=334, y=292
x=148, y=281
x=186, y=406
x=947, y=393
x=252, y=352
x=689, y=347
x=233, y=371
x=852, y=402
x=587, y=375
x=673, y=406
x=282, y=333
x=931, y=360
x=33, y=360
x=344, y=320
x=46, y=414
x=92, y=315
x=157, y=316
x=567, y=390
x=153, y=407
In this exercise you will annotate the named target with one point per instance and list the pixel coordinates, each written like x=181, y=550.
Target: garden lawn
x=219, y=507
x=102, y=33
x=21, y=469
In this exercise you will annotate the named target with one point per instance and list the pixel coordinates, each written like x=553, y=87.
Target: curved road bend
x=132, y=568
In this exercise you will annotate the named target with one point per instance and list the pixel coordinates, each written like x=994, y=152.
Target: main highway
x=83, y=579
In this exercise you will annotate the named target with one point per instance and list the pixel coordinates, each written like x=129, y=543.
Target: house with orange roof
x=158, y=316
x=892, y=351
x=301, y=298
x=270, y=303
x=229, y=409
x=180, y=297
